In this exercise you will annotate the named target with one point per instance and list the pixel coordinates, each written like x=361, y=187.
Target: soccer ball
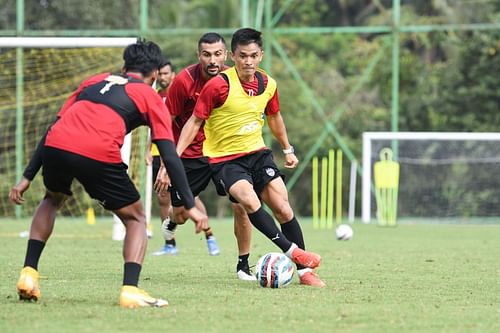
x=274, y=270
x=343, y=232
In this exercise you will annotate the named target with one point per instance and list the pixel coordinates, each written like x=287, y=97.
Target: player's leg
x=213, y=248
x=275, y=195
x=112, y=187
x=41, y=228
x=134, y=248
x=199, y=174
x=57, y=177
x=165, y=208
x=243, y=234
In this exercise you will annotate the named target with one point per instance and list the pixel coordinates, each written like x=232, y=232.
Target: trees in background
x=449, y=80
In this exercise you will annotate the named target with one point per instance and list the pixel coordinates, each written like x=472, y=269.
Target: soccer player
x=166, y=74
x=232, y=107
x=181, y=98
x=84, y=144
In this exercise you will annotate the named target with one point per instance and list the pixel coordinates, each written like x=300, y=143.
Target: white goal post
x=398, y=138
x=65, y=42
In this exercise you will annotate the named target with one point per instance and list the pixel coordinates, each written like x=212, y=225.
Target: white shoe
x=245, y=274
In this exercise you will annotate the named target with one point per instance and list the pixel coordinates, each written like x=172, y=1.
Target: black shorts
x=198, y=174
x=108, y=183
x=257, y=168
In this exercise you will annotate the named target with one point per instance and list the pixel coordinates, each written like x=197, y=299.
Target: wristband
x=289, y=150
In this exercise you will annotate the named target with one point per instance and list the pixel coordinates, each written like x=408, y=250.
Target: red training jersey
x=94, y=120
x=181, y=99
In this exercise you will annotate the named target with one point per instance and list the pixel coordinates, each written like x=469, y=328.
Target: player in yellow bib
x=232, y=106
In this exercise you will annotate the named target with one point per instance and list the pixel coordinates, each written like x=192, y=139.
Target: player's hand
x=148, y=158
x=291, y=161
x=162, y=180
x=17, y=191
x=200, y=219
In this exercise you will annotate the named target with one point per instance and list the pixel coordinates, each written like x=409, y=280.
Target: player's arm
x=278, y=129
x=188, y=133
x=34, y=165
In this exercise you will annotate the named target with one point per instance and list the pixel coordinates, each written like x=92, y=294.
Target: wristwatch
x=289, y=150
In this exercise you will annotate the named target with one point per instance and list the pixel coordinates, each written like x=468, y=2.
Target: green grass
x=412, y=278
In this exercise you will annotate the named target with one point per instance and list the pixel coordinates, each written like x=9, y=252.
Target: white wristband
x=289, y=150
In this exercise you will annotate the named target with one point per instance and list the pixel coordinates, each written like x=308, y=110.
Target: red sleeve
x=273, y=106
x=72, y=99
x=213, y=95
x=176, y=95
x=151, y=105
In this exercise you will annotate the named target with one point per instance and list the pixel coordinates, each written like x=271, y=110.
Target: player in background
x=166, y=74
x=232, y=107
x=181, y=98
x=84, y=144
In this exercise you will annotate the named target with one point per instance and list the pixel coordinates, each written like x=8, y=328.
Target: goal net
x=51, y=68
x=444, y=176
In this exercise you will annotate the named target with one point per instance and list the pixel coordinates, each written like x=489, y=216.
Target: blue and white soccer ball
x=274, y=270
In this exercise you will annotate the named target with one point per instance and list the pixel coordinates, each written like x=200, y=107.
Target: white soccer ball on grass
x=344, y=232
x=274, y=270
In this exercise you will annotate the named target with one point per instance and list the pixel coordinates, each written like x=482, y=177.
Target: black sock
x=293, y=232
x=171, y=226
x=33, y=253
x=131, y=272
x=208, y=232
x=265, y=224
x=242, y=262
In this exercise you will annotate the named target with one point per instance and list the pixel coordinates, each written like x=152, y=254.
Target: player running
x=232, y=107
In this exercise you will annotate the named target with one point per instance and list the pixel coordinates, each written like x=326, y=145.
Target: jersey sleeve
x=273, y=106
x=213, y=95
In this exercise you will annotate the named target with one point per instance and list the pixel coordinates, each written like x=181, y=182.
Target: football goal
x=444, y=176
x=37, y=75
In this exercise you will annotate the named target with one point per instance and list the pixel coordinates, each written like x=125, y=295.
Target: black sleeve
x=176, y=171
x=35, y=162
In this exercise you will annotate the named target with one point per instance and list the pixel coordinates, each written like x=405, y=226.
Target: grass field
x=412, y=278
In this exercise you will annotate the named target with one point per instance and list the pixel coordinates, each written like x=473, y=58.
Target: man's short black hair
x=246, y=36
x=165, y=62
x=143, y=57
x=211, y=38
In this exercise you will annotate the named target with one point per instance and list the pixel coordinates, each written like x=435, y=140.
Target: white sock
x=288, y=253
x=303, y=271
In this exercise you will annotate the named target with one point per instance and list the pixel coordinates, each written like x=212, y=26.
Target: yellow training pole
x=315, y=203
x=338, y=193
x=90, y=216
x=331, y=183
x=324, y=183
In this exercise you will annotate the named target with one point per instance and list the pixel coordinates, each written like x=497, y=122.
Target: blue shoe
x=166, y=249
x=213, y=248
